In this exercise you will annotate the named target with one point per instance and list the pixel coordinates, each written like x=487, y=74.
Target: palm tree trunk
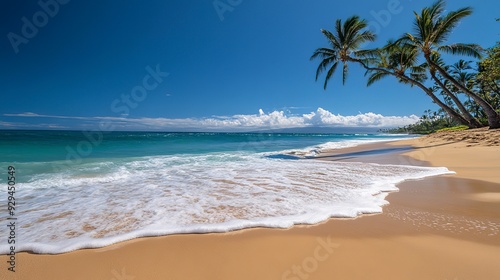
x=493, y=116
x=473, y=123
x=454, y=115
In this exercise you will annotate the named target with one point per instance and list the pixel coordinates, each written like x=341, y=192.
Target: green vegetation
x=467, y=96
x=455, y=128
x=430, y=122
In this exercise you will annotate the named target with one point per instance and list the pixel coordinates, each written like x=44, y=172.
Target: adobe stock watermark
x=383, y=17
x=30, y=27
x=121, y=106
x=223, y=6
x=310, y=264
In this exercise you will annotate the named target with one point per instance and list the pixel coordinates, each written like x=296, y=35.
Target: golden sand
x=473, y=154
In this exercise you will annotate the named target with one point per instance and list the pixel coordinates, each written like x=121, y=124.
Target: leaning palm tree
x=432, y=29
x=444, y=85
x=400, y=61
x=460, y=70
x=344, y=47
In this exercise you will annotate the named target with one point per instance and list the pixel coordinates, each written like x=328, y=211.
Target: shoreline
x=429, y=221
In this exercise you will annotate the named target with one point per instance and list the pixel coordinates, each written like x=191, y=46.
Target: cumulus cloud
x=260, y=121
x=325, y=118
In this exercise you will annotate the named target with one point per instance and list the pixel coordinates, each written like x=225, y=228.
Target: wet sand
x=444, y=227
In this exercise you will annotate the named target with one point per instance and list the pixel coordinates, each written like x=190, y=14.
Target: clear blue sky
x=82, y=59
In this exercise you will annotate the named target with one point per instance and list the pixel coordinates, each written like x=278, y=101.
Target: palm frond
x=356, y=34
x=323, y=65
x=345, y=42
x=333, y=39
x=406, y=39
x=463, y=65
x=460, y=67
x=323, y=53
x=420, y=77
x=365, y=36
x=370, y=61
x=372, y=53
x=375, y=77
x=330, y=74
x=339, y=31
x=472, y=50
x=416, y=26
x=444, y=26
x=352, y=27
x=420, y=69
x=436, y=58
x=424, y=23
x=437, y=9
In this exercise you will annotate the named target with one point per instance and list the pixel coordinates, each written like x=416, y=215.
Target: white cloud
x=21, y=125
x=260, y=121
x=7, y=124
x=325, y=118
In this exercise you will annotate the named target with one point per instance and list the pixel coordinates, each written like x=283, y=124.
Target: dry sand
x=444, y=227
x=473, y=154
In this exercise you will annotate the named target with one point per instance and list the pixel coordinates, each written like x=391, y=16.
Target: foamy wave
x=95, y=205
x=313, y=151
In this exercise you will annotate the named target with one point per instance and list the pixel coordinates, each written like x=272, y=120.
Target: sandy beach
x=445, y=227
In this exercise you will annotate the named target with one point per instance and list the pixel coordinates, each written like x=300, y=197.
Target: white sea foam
x=313, y=151
x=98, y=204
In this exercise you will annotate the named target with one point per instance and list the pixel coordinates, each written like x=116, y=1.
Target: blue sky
x=245, y=67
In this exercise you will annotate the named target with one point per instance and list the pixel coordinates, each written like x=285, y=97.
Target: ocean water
x=76, y=190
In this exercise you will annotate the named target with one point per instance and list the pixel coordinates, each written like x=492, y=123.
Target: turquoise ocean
x=79, y=190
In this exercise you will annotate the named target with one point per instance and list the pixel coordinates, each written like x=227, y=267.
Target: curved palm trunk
x=493, y=116
x=473, y=123
x=454, y=115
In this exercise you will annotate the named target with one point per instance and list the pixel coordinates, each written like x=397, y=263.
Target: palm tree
x=460, y=70
x=344, y=46
x=432, y=30
x=400, y=60
x=460, y=67
x=473, y=123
